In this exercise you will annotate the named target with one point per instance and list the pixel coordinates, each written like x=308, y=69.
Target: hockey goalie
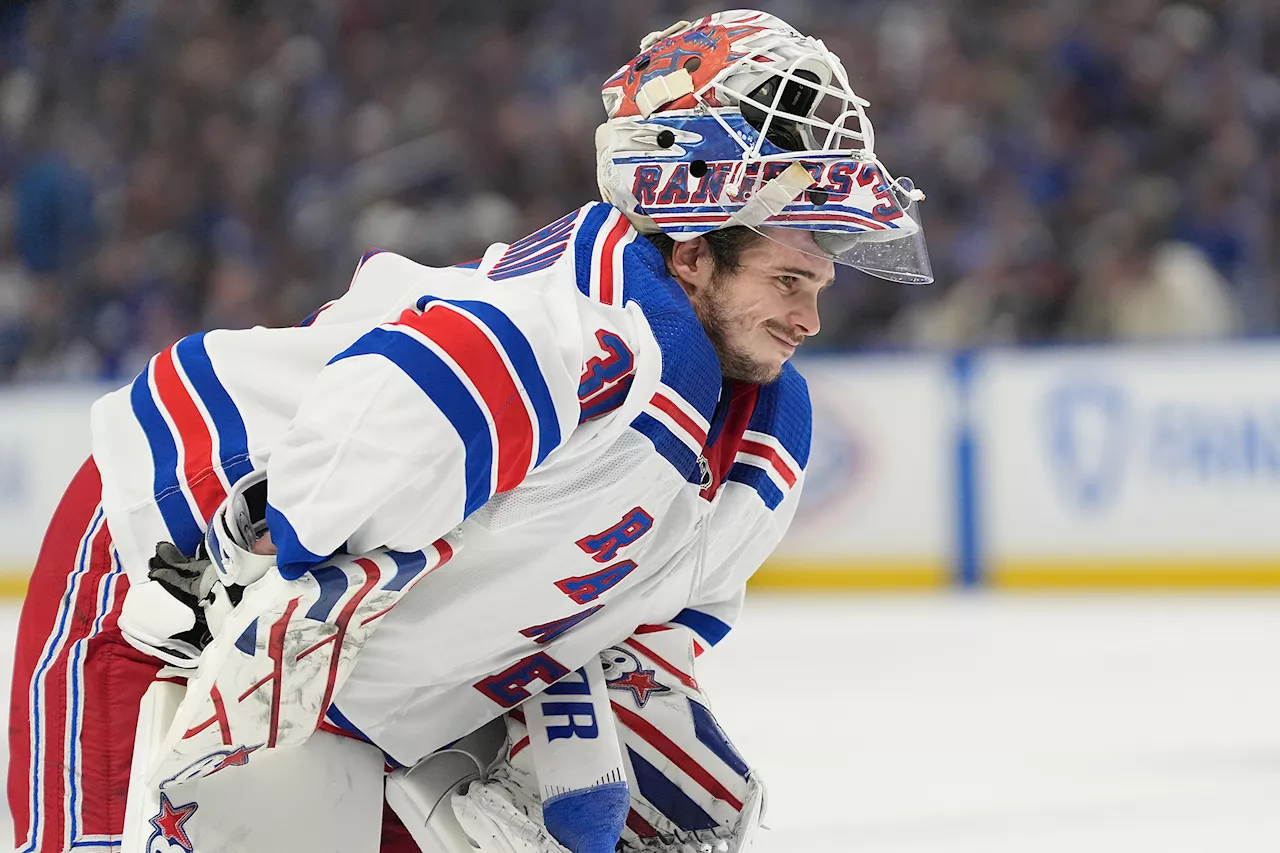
x=309, y=574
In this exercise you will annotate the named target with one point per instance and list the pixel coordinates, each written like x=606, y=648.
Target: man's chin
x=753, y=371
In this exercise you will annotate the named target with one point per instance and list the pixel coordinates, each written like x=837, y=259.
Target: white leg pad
x=324, y=796
x=155, y=712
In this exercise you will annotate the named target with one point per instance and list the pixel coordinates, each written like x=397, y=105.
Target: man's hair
x=725, y=244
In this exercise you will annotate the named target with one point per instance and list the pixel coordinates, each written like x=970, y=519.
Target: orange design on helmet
x=704, y=50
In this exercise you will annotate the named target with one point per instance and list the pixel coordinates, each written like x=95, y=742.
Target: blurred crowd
x=1095, y=169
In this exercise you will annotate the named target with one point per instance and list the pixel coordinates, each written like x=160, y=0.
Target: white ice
x=1000, y=723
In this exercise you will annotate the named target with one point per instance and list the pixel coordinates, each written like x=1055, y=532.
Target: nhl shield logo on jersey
x=170, y=835
x=623, y=671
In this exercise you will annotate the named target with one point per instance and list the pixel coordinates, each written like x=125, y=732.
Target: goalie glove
x=168, y=616
x=495, y=824
x=691, y=792
x=182, y=605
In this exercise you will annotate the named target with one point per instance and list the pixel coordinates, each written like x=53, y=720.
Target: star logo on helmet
x=169, y=823
x=641, y=683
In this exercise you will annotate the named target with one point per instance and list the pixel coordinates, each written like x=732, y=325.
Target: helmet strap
x=774, y=196
x=660, y=91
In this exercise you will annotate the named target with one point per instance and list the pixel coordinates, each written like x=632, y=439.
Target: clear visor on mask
x=857, y=216
x=892, y=255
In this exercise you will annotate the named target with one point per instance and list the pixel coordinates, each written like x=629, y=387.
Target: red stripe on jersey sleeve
x=764, y=451
x=677, y=414
x=478, y=357
x=193, y=436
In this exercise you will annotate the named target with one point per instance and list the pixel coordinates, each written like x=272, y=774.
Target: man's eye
x=788, y=282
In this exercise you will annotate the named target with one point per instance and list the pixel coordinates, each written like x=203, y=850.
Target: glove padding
x=651, y=685
x=175, y=614
x=187, y=579
x=495, y=825
x=499, y=816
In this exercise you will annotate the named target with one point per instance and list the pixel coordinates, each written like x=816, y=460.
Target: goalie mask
x=738, y=119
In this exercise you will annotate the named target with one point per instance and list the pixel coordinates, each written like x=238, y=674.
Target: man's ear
x=692, y=264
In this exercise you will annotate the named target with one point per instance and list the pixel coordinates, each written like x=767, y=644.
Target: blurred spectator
x=1136, y=288
x=171, y=165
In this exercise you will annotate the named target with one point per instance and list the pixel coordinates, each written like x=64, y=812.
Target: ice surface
x=995, y=723
x=999, y=723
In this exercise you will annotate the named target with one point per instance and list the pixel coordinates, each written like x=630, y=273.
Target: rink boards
x=1062, y=467
x=1056, y=467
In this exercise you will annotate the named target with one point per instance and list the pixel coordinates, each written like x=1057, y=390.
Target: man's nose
x=804, y=318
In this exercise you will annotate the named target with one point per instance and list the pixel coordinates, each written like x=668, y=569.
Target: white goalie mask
x=738, y=119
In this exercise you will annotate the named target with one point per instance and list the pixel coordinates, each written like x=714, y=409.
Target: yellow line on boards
x=1138, y=573
x=13, y=582
x=850, y=574
x=1045, y=573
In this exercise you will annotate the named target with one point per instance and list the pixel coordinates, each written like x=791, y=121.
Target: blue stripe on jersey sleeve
x=704, y=625
x=584, y=241
x=292, y=558
x=443, y=387
x=528, y=371
x=783, y=411
x=183, y=527
x=233, y=439
x=668, y=446
x=756, y=478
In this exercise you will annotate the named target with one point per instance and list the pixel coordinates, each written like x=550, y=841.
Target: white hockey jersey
x=553, y=416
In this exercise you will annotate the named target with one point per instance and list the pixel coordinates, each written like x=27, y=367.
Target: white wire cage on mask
x=738, y=119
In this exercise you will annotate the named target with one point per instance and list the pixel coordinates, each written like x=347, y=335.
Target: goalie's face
x=756, y=315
